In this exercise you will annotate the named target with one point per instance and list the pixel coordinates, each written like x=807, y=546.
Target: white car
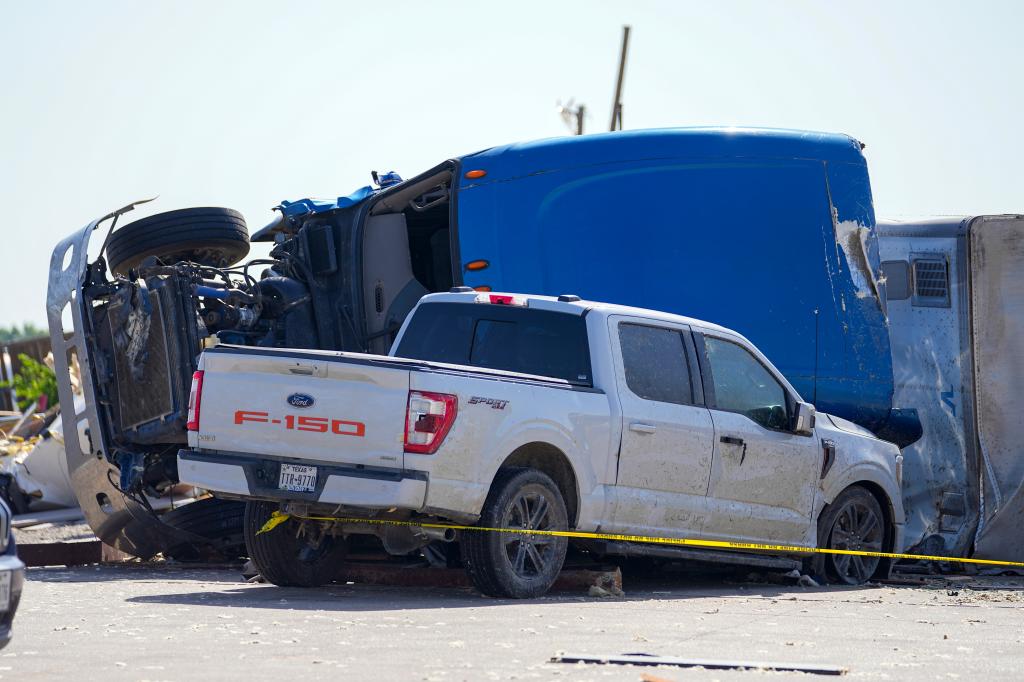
x=532, y=412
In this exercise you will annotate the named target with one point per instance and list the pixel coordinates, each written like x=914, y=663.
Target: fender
x=551, y=433
x=871, y=472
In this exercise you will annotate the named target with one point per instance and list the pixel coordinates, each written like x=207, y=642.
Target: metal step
x=618, y=548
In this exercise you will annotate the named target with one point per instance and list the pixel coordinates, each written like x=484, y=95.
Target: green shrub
x=31, y=381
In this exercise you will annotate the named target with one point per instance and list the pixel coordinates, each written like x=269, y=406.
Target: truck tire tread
x=219, y=521
x=214, y=236
x=275, y=553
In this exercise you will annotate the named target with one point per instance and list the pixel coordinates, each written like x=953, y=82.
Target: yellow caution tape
x=278, y=518
x=275, y=520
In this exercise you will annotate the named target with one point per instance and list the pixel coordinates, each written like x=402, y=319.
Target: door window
x=654, y=360
x=742, y=384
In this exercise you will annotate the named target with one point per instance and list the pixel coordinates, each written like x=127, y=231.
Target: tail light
x=195, y=398
x=428, y=419
x=502, y=299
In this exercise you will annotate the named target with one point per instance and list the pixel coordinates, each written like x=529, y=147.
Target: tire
x=216, y=237
x=511, y=565
x=853, y=521
x=221, y=522
x=10, y=493
x=285, y=559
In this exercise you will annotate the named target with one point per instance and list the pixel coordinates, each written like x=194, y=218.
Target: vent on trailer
x=931, y=282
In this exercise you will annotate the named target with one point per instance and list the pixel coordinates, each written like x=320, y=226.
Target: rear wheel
x=295, y=553
x=216, y=237
x=854, y=521
x=521, y=566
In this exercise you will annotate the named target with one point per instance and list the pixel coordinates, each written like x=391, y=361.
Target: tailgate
x=333, y=410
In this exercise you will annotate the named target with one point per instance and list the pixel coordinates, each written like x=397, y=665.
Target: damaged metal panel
x=997, y=331
x=931, y=367
x=116, y=518
x=865, y=384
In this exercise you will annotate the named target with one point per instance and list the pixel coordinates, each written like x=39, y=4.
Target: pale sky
x=243, y=104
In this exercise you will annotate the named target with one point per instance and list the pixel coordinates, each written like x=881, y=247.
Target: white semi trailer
x=955, y=292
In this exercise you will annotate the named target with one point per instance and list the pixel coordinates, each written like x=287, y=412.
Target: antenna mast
x=617, y=102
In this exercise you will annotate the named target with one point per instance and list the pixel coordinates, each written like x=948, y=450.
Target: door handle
x=308, y=369
x=733, y=440
x=640, y=427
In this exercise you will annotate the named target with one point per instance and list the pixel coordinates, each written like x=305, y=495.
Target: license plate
x=297, y=478
x=5, y=591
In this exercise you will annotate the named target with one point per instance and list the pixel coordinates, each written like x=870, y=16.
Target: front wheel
x=295, y=553
x=517, y=565
x=854, y=521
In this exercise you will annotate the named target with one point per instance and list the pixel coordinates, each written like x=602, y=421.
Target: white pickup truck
x=533, y=412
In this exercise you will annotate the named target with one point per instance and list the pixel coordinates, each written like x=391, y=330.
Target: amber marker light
x=483, y=288
x=474, y=174
x=475, y=265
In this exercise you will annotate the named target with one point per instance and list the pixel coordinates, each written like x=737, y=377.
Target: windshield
x=510, y=338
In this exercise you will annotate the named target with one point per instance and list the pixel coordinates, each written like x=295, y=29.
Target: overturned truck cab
x=161, y=289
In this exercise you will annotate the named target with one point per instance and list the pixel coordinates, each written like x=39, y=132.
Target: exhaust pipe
x=442, y=534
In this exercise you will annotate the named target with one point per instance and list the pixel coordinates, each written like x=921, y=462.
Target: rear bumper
x=245, y=476
x=9, y=563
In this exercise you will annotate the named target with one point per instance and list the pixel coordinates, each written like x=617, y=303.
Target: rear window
x=509, y=338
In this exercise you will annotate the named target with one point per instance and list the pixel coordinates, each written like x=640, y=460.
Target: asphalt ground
x=163, y=623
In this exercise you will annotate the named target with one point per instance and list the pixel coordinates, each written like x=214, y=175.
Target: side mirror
x=803, y=421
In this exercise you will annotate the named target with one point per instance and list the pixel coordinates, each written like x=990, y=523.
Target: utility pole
x=617, y=102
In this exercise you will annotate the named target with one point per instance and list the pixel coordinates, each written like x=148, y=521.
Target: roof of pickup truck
x=526, y=158
x=574, y=305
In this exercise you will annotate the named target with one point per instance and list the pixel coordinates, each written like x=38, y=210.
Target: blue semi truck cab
x=771, y=232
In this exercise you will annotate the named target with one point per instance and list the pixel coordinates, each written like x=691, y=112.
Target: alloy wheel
x=528, y=554
x=857, y=527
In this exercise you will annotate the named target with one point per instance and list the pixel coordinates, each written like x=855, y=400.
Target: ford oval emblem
x=300, y=400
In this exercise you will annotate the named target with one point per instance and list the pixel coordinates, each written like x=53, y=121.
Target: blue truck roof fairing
x=523, y=158
x=769, y=232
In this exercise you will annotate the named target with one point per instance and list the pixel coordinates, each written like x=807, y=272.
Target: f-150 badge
x=339, y=427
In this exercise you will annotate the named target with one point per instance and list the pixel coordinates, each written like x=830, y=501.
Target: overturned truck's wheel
x=217, y=525
x=516, y=565
x=291, y=555
x=854, y=521
x=10, y=493
x=216, y=237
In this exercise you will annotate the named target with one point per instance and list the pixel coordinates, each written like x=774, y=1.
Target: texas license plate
x=5, y=591
x=297, y=478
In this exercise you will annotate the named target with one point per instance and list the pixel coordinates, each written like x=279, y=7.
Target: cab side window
x=742, y=384
x=655, y=363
